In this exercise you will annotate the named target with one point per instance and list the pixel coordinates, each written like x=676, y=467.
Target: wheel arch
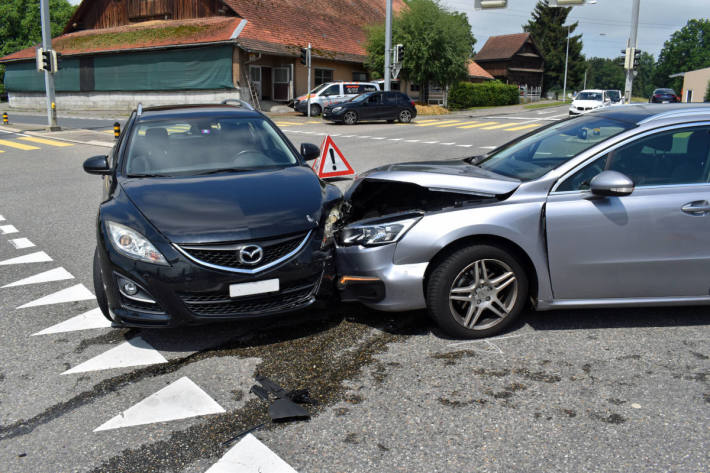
x=493, y=240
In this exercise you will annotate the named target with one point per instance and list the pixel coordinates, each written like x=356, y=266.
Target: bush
x=466, y=95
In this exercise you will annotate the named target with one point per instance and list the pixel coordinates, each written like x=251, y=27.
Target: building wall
x=341, y=71
x=109, y=13
x=697, y=82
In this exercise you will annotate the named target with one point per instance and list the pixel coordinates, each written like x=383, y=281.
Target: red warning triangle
x=332, y=161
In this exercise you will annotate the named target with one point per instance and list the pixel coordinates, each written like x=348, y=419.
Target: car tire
x=405, y=116
x=315, y=110
x=470, y=273
x=350, y=117
x=99, y=289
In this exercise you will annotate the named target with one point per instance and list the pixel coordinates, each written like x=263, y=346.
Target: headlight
x=377, y=233
x=132, y=244
x=330, y=222
x=337, y=109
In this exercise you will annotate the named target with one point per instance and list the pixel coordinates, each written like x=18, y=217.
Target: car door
x=332, y=94
x=390, y=109
x=371, y=108
x=652, y=243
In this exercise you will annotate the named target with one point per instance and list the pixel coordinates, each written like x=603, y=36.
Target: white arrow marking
x=251, y=456
x=179, y=400
x=134, y=352
x=2, y=219
x=21, y=243
x=59, y=274
x=7, y=229
x=39, y=257
x=88, y=320
x=70, y=294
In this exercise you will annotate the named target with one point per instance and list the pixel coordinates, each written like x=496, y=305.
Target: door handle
x=699, y=207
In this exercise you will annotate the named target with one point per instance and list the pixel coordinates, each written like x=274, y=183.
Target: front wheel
x=350, y=118
x=405, y=116
x=315, y=110
x=99, y=289
x=476, y=291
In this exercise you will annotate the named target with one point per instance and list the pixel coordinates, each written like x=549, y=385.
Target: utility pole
x=48, y=77
x=388, y=46
x=308, y=60
x=631, y=47
x=564, y=87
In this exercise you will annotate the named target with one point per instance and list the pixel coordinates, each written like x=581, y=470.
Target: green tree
x=437, y=44
x=548, y=29
x=645, y=82
x=686, y=50
x=20, y=26
x=605, y=73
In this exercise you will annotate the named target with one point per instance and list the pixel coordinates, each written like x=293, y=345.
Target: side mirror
x=611, y=183
x=309, y=151
x=97, y=165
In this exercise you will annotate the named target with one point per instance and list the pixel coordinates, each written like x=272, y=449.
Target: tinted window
x=352, y=89
x=374, y=99
x=367, y=88
x=390, y=98
x=669, y=158
x=332, y=90
x=323, y=75
x=541, y=152
x=198, y=145
x=403, y=100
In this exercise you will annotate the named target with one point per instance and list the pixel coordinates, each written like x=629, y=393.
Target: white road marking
x=58, y=274
x=7, y=229
x=38, y=257
x=347, y=136
x=464, y=146
x=70, y=294
x=412, y=141
x=21, y=243
x=488, y=147
x=526, y=118
x=430, y=142
x=395, y=139
x=134, y=352
x=2, y=219
x=377, y=138
x=447, y=144
x=251, y=456
x=178, y=400
x=365, y=136
x=88, y=320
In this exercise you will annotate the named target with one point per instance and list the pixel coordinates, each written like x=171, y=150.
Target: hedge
x=466, y=95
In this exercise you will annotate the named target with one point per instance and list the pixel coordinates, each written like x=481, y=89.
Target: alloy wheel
x=350, y=118
x=405, y=116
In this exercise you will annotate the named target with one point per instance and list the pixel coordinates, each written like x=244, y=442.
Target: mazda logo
x=251, y=254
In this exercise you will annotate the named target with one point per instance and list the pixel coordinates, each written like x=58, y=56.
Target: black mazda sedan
x=209, y=213
x=388, y=106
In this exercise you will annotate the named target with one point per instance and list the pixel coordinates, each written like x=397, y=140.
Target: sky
x=605, y=26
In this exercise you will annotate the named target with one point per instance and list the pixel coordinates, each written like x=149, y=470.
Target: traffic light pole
x=632, y=44
x=388, y=46
x=48, y=77
x=308, y=90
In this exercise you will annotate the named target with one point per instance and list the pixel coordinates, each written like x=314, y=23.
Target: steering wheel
x=245, y=152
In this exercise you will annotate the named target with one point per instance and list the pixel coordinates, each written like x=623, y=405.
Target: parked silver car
x=610, y=209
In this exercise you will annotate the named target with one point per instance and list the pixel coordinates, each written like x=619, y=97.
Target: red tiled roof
x=140, y=36
x=502, y=47
x=474, y=70
x=334, y=29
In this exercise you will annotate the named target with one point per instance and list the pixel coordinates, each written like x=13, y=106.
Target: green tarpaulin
x=174, y=69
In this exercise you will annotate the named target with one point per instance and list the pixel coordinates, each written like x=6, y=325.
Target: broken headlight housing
x=378, y=231
x=330, y=225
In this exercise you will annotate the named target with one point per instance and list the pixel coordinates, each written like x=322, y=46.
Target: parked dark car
x=209, y=213
x=388, y=106
x=664, y=96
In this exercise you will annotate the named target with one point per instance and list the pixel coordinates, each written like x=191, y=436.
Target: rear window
x=403, y=99
x=352, y=89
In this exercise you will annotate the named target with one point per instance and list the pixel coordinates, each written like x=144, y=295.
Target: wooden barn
x=513, y=59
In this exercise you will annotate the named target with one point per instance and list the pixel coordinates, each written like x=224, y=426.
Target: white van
x=330, y=93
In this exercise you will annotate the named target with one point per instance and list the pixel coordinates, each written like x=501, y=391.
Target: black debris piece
x=260, y=392
x=242, y=434
x=284, y=408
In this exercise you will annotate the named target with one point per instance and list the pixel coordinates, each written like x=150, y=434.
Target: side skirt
x=630, y=302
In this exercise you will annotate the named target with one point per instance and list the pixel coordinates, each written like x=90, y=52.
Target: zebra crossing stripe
x=524, y=127
x=45, y=142
x=495, y=127
x=457, y=124
x=437, y=123
x=479, y=125
x=21, y=146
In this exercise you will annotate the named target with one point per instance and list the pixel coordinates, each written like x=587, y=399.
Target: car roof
x=644, y=113
x=591, y=90
x=196, y=111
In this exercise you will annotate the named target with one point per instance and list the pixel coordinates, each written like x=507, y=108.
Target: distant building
x=513, y=59
x=116, y=53
x=477, y=74
x=695, y=85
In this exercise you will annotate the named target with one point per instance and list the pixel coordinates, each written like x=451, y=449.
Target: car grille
x=226, y=256
x=221, y=305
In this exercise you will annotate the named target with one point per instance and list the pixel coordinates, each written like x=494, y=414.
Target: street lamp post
x=630, y=49
x=564, y=87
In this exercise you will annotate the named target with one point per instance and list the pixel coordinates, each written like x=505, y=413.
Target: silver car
x=610, y=209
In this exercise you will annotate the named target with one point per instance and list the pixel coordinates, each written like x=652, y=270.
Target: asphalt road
x=577, y=391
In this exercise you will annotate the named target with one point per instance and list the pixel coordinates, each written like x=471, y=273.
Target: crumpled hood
x=229, y=207
x=452, y=176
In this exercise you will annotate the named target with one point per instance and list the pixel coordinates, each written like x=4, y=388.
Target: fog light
x=130, y=288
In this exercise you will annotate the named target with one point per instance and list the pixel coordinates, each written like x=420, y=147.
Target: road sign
x=332, y=163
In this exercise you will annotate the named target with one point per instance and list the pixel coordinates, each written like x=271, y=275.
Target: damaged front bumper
x=369, y=276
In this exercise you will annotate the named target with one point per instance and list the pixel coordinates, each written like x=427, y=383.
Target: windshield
x=614, y=95
x=361, y=97
x=541, y=152
x=589, y=96
x=319, y=88
x=192, y=146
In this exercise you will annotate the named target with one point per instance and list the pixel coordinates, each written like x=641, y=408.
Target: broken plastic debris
x=284, y=408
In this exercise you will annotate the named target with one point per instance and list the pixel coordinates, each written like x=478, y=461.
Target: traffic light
x=488, y=4
x=628, y=58
x=304, y=56
x=637, y=58
x=47, y=60
x=399, y=53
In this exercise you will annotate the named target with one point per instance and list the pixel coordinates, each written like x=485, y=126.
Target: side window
x=374, y=99
x=367, y=88
x=390, y=98
x=351, y=89
x=667, y=158
x=332, y=90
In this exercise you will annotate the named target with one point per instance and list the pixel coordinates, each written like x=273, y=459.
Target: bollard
x=5, y=119
x=116, y=130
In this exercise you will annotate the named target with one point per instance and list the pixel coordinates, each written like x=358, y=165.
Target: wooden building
x=513, y=59
x=120, y=52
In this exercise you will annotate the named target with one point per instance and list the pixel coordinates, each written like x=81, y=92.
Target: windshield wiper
x=217, y=171
x=148, y=175
x=474, y=160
